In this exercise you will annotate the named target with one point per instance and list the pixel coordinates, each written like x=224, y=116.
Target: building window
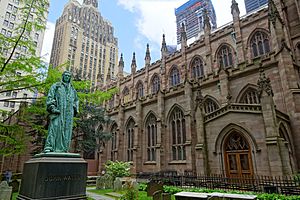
x=8, y=33
x=9, y=6
x=237, y=156
x=6, y=103
x=36, y=36
x=14, y=94
x=13, y=17
x=8, y=94
x=5, y=23
x=260, y=44
x=197, y=68
x=151, y=133
x=140, y=89
x=126, y=95
x=250, y=97
x=174, y=77
x=7, y=15
x=130, y=140
x=11, y=25
x=12, y=104
x=155, y=84
x=114, y=144
x=3, y=31
x=178, y=132
x=210, y=106
x=225, y=57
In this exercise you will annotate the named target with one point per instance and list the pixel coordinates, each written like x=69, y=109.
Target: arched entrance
x=237, y=154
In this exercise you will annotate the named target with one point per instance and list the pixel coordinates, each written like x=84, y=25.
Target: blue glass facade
x=254, y=4
x=191, y=14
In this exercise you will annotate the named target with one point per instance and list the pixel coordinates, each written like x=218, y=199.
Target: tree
x=89, y=132
x=21, y=71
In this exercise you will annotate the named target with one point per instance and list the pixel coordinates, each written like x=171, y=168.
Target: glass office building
x=191, y=14
x=254, y=4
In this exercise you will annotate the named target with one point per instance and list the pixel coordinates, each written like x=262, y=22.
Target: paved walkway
x=97, y=196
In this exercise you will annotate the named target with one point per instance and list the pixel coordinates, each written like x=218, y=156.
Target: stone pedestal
x=54, y=176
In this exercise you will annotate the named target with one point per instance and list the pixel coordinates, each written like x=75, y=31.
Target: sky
x=138, y=22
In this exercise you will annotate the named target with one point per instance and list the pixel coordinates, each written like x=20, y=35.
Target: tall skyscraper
x=191, y=15
x=85, y=39
x=9, y=21
x=254, y=4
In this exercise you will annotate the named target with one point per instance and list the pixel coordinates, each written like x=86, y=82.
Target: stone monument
x=55, y=173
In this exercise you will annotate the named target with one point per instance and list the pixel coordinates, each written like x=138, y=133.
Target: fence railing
x=288, y=185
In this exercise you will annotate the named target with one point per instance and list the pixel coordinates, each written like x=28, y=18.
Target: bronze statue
x=62, y=104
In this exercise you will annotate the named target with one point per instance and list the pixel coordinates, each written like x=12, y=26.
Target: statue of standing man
x=62, y=104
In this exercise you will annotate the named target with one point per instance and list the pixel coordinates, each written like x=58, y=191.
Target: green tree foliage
x=90, y=132
x=19, y=71
x=117, y=168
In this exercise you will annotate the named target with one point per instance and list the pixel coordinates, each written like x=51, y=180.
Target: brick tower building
x=229, y=103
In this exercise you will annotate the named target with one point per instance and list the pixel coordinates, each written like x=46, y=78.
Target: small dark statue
x=62, y=104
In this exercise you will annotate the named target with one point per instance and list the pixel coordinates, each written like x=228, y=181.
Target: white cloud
x=48, y=40
x=155, y=17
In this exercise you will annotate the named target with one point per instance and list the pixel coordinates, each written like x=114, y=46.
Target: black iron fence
x=288, y=185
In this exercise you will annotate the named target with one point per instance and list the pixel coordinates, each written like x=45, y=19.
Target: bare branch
x=22, y=88
x=18, y=40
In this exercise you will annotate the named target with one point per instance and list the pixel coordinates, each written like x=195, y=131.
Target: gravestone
x=153, y=187
x=166, y=196
x=135, y=185
x=117, y=184
x=104, y=182
x=15, y=185
x=157, y=195
x=5, y=191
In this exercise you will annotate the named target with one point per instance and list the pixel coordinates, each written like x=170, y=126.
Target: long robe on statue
x=62, y=104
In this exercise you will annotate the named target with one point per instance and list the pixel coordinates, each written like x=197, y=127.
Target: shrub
x=130, y=193
x=117, y=168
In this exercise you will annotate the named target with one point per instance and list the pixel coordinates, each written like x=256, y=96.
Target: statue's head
x=66, y=77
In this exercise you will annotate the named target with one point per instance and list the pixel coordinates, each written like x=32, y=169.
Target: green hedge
x=260, y=196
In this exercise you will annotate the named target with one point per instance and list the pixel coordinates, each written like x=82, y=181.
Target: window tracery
x=151, y=132
x=130, y=140
x=155, y=84
x=225, y=57
x=178, y=132
x=174, y=77
x=197, y=68
x=260, y=44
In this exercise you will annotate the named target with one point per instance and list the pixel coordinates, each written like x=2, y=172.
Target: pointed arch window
x=237, y=155
x=126, y=95
x=174, y=77
x=130, y=140
x=114, y=143
x=151, y=133
x=140, y=89
x=155, y=84
x=210, y=106
x=197, y=68
x=260, y=44
x=250, y=97
x=178, y=133
x=225, y=57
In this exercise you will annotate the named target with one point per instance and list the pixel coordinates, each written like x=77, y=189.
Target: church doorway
x=237, y=154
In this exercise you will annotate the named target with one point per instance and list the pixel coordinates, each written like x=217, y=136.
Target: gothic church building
x=229, y=103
